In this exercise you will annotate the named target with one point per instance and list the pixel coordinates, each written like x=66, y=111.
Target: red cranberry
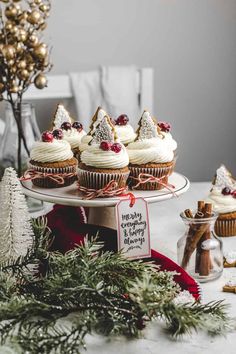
x=116, y=147
x=57, y=134
x=164, y=126
x=122, y=119
x=105, y=145
x=66, y=126
x=234, y=194
x=226, y=191
x=47, y=136
x=78, y=126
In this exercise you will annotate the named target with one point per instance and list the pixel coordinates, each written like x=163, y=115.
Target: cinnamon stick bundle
x=195, y=234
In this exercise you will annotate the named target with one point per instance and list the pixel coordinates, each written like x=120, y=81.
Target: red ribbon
x=110, y=190
x=144, y=178
x=59, y=178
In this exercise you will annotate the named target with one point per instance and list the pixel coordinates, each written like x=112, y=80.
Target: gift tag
x=133, y=228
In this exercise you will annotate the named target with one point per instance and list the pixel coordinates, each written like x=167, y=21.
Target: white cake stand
x=102, y=211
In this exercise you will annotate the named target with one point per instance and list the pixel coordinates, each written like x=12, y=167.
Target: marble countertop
x=166, y=228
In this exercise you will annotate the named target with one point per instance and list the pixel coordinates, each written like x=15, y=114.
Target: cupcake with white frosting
x=104, y=159
x=223, y=198
x=149, y=154
x=52, y=162
x=96, y=120
x=70, y=130
x=124, y=130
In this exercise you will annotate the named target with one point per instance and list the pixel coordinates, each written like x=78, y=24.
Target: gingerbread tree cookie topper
x=61, y=115
x=224, y=178
x=104, y=132
x=97, y=118
x=148, y=127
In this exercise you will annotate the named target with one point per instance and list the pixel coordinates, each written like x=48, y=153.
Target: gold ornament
x=11, y=11
x=19, y=48
x=40, y=81
x=23, y=17
x=43, y=26
x=23, y=74
x=33, y=40
x=13, y=69
x=34, y=17
x=21, y=64
x=41, y=51
x=37, y=2
x=2, y=87
x=14, y=88
x=8, y=51
x=8, y=26
x=44, y=8
x=16, y=0
x=30, y=67
x=22, y=35
x=11, y=62
x=14, y=30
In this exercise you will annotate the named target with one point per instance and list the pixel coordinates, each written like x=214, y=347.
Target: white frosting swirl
x=149, y=151
x=73, y=136
x=84, y=143
x=168, y=139
x=98, y=158
x=57, y=150
x=125, y=133
x=221, y=203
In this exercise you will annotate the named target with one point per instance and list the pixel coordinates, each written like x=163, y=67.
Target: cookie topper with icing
x=96, y=120
x=61, y=116
x=104, y=131
x=148, y=127
x=223, y=178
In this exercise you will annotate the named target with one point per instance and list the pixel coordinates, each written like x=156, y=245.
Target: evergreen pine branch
x=99, y=291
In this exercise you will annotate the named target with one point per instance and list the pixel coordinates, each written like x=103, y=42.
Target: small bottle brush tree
x=16, y=233
x=24, y=58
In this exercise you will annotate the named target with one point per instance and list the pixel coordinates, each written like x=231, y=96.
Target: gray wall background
x=191, y=44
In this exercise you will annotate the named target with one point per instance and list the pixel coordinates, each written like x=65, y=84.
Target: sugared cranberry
x=226, y=191
x=47, y=136
x=233, y=194
x=66, y=126
x=57, y=134
x=164, y=126
x=122, y=119
x=116, y=147
x=78, y=126
x=105, y=145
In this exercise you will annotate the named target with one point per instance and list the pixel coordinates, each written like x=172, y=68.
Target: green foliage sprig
x=89, y=290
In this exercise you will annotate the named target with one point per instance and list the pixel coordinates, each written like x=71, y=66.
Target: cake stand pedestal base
x=105, y=216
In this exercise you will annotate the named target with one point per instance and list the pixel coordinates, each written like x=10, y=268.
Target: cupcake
x=52, y=156
x=124, y=130
x=149, y=154
x=96, y=120
x=223, y=198
x=105, y=158
x=72, y=131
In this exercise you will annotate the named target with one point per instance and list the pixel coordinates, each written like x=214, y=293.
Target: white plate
x=71, y=196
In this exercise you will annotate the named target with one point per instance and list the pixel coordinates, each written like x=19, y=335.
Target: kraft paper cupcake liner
x=155, y=172
x=99, y=180
x=47, y=182
x=225, y=228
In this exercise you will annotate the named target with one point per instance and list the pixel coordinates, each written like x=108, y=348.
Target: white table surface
x=166, y=229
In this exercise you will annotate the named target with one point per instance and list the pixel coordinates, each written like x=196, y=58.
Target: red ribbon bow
x=110, y=190
x=59, y=178
x=144, y=178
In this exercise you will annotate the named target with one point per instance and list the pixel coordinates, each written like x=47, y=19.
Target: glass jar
x=9, y=141
x=199, y=250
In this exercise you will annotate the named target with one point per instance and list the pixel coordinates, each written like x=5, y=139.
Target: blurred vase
x=9, y=142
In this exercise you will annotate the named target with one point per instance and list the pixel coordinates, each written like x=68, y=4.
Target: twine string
x=59, y=178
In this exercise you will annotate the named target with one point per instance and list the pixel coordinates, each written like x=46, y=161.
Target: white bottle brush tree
x=16, y=233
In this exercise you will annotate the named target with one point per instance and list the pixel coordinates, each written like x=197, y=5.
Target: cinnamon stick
x=200, y=213
x=205, y=261
x=195, y=233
